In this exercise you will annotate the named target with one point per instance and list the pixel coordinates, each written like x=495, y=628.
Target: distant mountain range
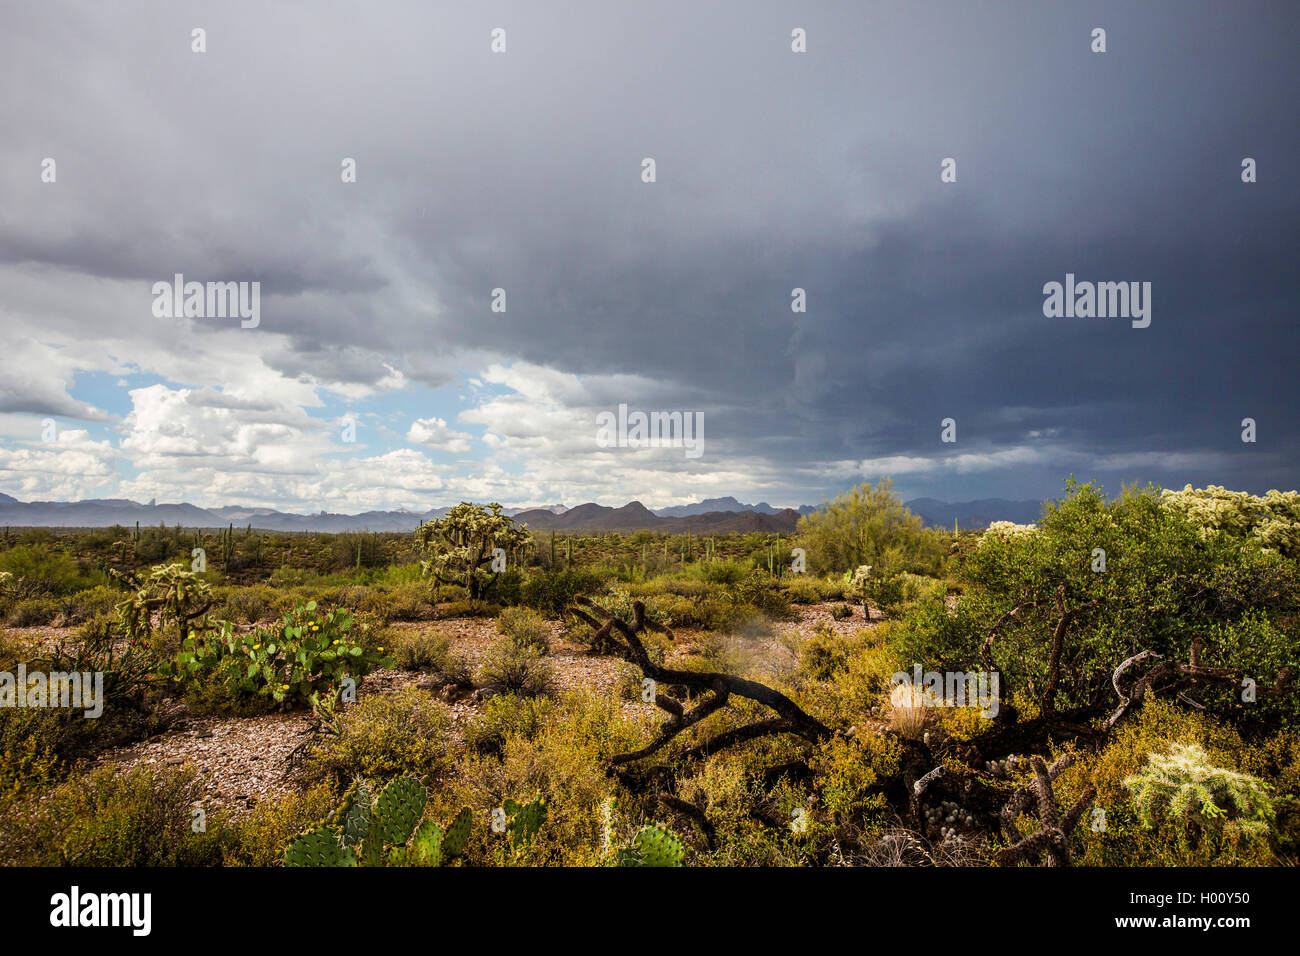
x=637, y=517
x=726, y=504
x=711, y=516
x=975, y=514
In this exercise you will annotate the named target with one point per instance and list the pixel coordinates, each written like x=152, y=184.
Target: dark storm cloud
x=774, y=171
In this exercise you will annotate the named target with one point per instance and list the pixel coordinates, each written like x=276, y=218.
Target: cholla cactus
x=458, y=545
x=1272, y=521
x=1184, y=784
x=171, y=591
x=1008, y=529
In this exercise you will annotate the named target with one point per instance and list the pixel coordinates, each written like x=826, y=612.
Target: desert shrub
x=360, y=599
x=248, y=605
x=383, y=737
x=525, y=627
x=443, y=593
x=846, y=771
x=33, y=612
x=763, y=592
x=1164, y=584
x=859, y=680
x=831, y=589
x=431, y=650
x=32, y=743
x=516, y=668
x=825, y=653
x=725, y=572
x=892, y=591
x=562, y=762
x=260, y=837
x=106, y=818
x=469, y=608
x=412, y=601
x=800, y=589
x=36, y=743
x=842, y=612
x=98, y=601
x=43, y=568
x=869, y=525
x=552, y=591
x=508, y=715
x=419, y=650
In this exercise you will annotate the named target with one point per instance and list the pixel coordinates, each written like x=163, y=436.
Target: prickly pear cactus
x=653, y=846
x=457, y=835
x=525, y=821
x=371, y=851
x=353, y=815
x=397, y=810
x=320, y=847
x=427, y=848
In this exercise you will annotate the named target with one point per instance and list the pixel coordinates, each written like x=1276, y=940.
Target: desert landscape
x=1112, y=685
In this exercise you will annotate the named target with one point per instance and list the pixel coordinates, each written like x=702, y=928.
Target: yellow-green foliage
x=869, y=525
x=525, y=627
x=264, y=832
x=383, y=737
x=562, y=759
x=845, y=770
x=1163, y=839
x=516, y=668
x=106, y=818
x=841, y=678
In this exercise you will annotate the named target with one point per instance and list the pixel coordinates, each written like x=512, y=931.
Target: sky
x=379, y=375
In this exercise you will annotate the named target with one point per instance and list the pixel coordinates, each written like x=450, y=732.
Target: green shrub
x=551, y=592
x=869, y=526
x=51, y=571
x=33, y=612
x=412, y=601
x=262, y=834
x=525, y=627
x=141, y=818
x=468, y=609
x=506, y=716
x=248, y=605
x=94, y=602
x=800, y=589
x=383, y=737
x=515, y=668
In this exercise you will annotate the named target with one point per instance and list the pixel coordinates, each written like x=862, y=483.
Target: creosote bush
x=526, y=628
x=516, y=668
x=382, y=736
